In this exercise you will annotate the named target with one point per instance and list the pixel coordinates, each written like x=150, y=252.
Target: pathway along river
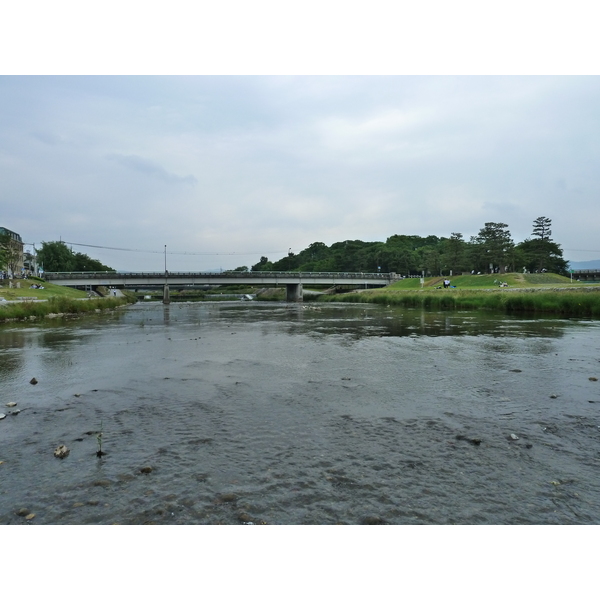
x=284, y=414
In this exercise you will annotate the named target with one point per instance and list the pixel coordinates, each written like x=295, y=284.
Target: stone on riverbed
x=373, y=521
x=246, y=519
x=11, y=404
x=2, y=416
x=226, y=498
x=62, y=451
x=33, y=381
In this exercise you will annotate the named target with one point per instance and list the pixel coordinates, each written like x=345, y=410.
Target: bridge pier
x=293, y=292
x=166, y=298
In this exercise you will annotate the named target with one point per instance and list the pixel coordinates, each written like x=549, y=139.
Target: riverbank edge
x=58, y=307
x=566, y=302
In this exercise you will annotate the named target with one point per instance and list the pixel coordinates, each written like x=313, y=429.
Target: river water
x=287, y=414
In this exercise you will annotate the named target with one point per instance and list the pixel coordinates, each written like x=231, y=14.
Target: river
x=276, y=413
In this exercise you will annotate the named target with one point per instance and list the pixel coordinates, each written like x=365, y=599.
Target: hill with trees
x=491, y=250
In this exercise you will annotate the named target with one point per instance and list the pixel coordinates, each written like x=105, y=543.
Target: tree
x=430, y=260
x=262, y=265
x=84, y=263
x=454, y=250
x=10, y=253
x=540, y=247
x=495, y=245
x=56, y=256
x=4, y=241
x=541, y=229
x=538, y=255
x=542, y=253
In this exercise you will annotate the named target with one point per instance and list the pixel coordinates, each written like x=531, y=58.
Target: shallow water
x=284, y=414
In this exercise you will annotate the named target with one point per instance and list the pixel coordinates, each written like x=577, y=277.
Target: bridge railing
x=224, y=274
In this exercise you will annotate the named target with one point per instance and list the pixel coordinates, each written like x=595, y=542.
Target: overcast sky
x=230, y=168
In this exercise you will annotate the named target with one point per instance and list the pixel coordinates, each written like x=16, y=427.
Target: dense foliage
x=413, y=255
x=57, y=256
x=9, y=253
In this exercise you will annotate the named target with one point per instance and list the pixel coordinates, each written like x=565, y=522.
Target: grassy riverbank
x=30, y=304
x=57, y=307
x=475, y=282
x=570, y=303
x=543, y=293
x=25, y=291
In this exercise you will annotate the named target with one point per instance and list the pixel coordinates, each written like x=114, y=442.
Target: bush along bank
x=565, y=302
x=59, y=307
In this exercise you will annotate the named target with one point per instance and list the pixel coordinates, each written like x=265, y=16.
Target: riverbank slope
x=25, y=303
x=529, y=293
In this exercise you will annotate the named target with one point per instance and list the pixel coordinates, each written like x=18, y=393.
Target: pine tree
x=541, y=229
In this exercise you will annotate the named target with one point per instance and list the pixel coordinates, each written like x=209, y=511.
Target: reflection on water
x=301, y=414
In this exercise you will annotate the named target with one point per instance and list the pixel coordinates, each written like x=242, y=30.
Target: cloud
x=148, y=167
x=47, y=138
x=223, y=164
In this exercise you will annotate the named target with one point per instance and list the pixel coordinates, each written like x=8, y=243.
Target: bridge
x=292, y=280
x=587, y=274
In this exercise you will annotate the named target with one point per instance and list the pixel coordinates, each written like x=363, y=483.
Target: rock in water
x=11, y=404
x=2, y=416
x=33, y=381
x=514, y=437
x=373, y=521
x=62, y=451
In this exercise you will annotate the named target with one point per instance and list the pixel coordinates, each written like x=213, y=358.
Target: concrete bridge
x=292, y=280
x=587, y=274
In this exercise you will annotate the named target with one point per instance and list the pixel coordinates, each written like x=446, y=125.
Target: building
x=14, y=255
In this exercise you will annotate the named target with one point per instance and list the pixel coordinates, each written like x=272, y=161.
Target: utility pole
x=166, y=298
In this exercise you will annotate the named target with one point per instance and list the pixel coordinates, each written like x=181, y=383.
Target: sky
x=246, y=130
x=226, y=169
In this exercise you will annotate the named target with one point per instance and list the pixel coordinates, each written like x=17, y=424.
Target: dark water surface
x=284, y=414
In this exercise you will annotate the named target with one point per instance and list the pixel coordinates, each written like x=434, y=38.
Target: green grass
x=548, y=279
x=50, y=290
x=29, y=310
x=569, y=303
x=514, y=280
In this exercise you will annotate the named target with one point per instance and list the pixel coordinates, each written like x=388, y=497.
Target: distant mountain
x=584, y=264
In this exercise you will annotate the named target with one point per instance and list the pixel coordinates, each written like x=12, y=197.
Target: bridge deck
x=269, y=278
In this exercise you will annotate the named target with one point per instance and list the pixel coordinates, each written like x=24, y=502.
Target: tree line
x=491, y=250
x=57, y=256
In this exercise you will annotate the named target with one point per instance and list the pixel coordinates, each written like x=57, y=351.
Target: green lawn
x=50, y=290
x=471, y=282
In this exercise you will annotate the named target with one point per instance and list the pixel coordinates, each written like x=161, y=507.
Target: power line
x=573, y=250
x=179, y=253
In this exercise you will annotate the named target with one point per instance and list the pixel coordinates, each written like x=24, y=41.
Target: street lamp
x=166, y=298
